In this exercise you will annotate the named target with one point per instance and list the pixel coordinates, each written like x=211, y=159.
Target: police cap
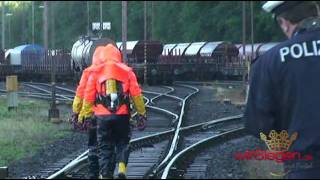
x=278, y=7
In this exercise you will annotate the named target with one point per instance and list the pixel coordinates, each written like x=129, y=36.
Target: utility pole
x=244, y=47
x=52, y=24
x=252, y=52
x=152, y=20
x=53, y=111
x=124, y=30
x=45, y=24
x=145, y=19
x=244, y=34
x=252, y=30
x=3, y=25
x=32, y=22
x=9, y=16
x=244, y=30
x=88, y=18
x=101, y=22
x=24, y=38
x=145, y=42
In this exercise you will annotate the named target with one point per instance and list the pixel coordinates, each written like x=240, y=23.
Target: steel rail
x=46, y=91
x=66, y=89
x=160, y=136
x=37, y=95
x=196, y=146
x=144, y=91
x=237, y=83
x=171, y=89
x=58, y=87
x=31, y=93
x=70, y=165
x=148, y=106
x=84, y=155
x=177, y=130
x=163, y=94
x=159, y=109
x=71, y=91
x=68, y=97
x=42, y=97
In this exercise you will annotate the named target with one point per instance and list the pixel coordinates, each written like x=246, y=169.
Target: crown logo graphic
x=279, y=142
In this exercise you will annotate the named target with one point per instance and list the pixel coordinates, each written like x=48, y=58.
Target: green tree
x=173, y=22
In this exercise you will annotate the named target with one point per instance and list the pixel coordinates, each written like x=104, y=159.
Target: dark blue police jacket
x=284, y=91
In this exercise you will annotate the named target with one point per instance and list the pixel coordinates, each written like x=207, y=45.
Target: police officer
x=284, y=89
x=107, y=97
x=91, y=128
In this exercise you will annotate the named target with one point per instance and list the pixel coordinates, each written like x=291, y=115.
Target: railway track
x=46, y=89
x=191, y=161
x=148, y=144
x=160, y=119
x=41, y=91
x=145, y=150
x=153, y=150
x=233, y=83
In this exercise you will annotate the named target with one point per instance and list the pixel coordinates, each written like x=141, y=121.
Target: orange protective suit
x=113, y=68
x=78, y=99
x=106, y=95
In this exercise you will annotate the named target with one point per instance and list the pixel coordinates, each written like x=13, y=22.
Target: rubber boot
x=93, y=167
x=93, y=158
x=122, y=171
x=112, y=165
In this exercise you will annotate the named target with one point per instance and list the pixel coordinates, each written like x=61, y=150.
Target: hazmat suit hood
x=106, y=53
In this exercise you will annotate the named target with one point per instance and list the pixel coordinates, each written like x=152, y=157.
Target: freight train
x=137, y=52
x=33, y=62
x=165, y=63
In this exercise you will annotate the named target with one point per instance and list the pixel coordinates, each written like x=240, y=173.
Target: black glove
x=74, y=121
x=87, y=124
x=141, y=122
x=132, y=124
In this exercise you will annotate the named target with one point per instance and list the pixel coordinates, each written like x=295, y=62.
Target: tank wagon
x=137, y=52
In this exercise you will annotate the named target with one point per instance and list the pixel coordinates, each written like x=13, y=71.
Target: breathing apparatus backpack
x=111, y=95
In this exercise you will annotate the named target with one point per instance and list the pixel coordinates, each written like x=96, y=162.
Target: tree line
x=167, y=21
